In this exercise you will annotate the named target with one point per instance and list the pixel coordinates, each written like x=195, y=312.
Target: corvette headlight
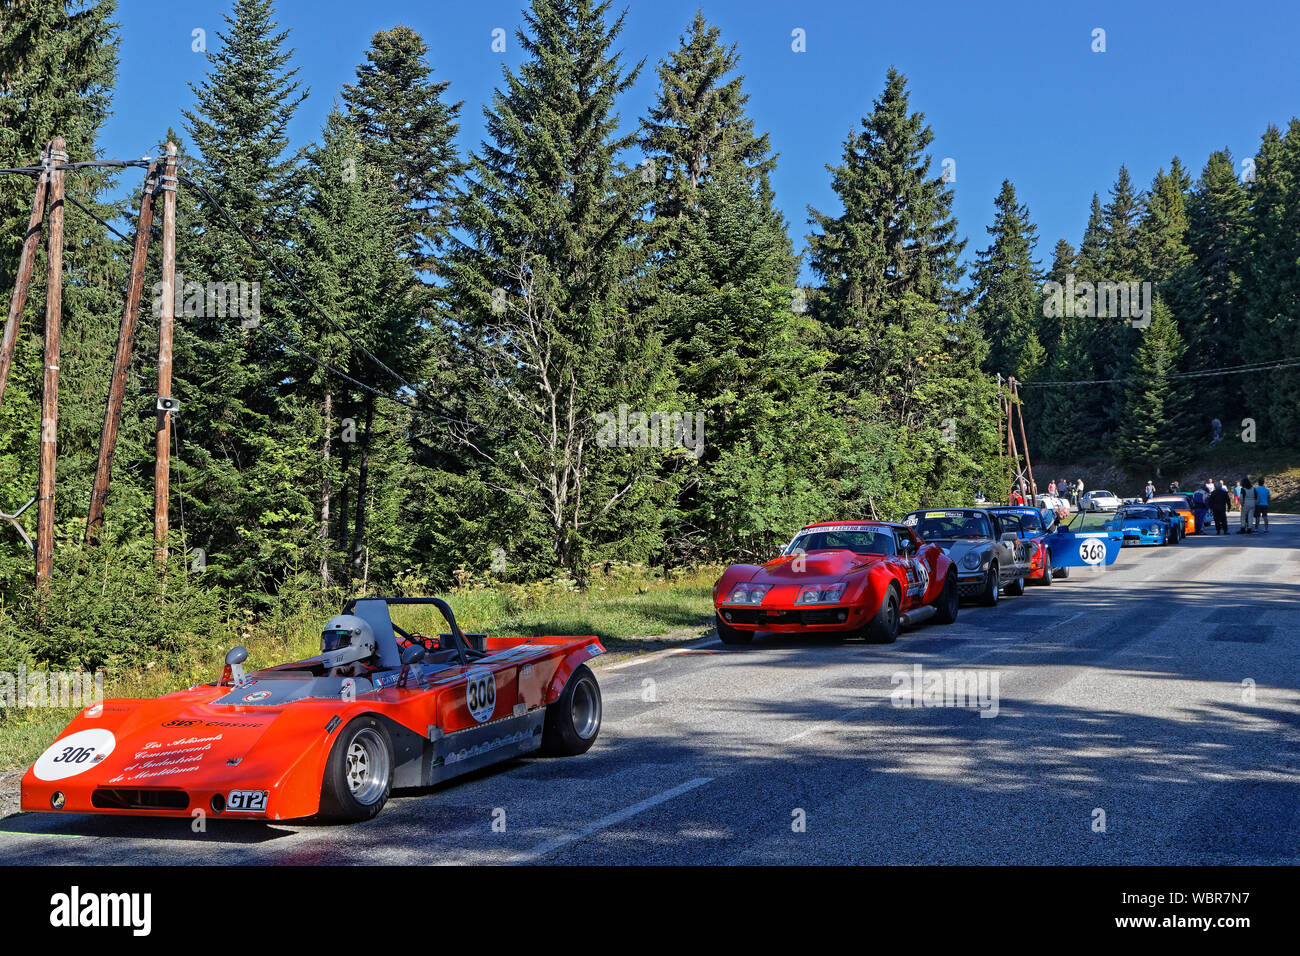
x=748, y=593
x=971, y=560
x=816, y=594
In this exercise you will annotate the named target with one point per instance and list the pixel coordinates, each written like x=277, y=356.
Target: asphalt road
x=1147, y=713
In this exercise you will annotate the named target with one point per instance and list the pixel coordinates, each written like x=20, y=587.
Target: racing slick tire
x=359, y=772
x=883, y=628
x=992, y=587
x=1016, y=587
x=1048, y=571
x=949, y=601
x=1061, y=572
x=573, y=721
x=731, y=635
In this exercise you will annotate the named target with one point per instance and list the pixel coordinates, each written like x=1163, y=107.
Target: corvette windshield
x=864, y=541
x=950, y=524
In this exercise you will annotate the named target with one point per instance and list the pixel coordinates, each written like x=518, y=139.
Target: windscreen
x=950, y=524
x=859, y=540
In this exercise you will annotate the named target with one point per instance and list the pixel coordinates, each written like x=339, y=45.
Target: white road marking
x=613, y=819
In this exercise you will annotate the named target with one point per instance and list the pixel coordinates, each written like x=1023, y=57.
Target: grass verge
x=632, y=611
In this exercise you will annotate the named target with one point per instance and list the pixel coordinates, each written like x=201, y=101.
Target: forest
x=584, y=341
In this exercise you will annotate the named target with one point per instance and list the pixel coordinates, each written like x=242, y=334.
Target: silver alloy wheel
x=585, y=710
x=367, y=769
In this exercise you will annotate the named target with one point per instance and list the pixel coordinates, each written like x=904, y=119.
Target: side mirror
x=235, y=658
x=413, y=655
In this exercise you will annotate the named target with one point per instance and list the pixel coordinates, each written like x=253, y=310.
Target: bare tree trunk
x=326, y=491
x=363, y=479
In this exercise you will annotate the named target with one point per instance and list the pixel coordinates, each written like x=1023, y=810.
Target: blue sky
x=1012, y=90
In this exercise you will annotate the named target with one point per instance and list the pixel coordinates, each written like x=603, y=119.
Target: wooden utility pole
x=50, y=390
x=1024, y=442
x=122, y=358
x=162, y=437
x=23, y=282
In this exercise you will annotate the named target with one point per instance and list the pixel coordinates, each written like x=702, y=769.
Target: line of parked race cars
x=869, y=579
x=381, y=706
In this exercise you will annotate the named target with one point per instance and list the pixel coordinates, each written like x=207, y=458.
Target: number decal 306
x=250, y=801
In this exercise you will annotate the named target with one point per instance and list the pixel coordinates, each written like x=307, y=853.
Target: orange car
x=1178, y=505
x=302, y=740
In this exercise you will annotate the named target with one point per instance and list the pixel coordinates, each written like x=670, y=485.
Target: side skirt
x=425, y=762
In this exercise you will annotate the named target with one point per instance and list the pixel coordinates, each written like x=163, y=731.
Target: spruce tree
x=1271, y=289
x=1008, y=298
x=1151, y=433
x=253, y=510
x=698, y=129
x=889, y=269
x=408, y=130
x=541, y=289
x=1216, y=237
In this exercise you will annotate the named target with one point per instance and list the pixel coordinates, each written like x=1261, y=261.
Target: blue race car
x=1035, y=525
x=1146, y=525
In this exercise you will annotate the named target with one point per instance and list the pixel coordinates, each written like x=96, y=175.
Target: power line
x=319, y=363
x=1289, y=362
x=285, y=276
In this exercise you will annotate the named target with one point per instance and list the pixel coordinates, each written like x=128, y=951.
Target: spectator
x=1149, y=491
x=1247, y=506
x=1078, y=489
x=1262, y=494
x=1173, y=487
x=1051, y=488
x=1219, y=508
x=1216, y=431
x=1236, y=495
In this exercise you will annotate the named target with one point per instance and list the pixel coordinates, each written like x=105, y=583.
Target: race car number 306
x=481, y=695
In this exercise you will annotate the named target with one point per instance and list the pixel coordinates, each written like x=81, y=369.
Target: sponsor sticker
x=256, y=696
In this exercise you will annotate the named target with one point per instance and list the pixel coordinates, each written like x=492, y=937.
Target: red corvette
x=855, y=578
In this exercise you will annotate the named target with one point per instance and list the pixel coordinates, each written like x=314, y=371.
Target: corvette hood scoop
x=814, y=565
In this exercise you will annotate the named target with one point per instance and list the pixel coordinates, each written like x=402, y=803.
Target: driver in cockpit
x=348, y=647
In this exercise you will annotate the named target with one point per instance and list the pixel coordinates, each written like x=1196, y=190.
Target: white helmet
x=346, y=639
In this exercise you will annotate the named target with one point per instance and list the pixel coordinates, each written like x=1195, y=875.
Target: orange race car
x=1181, y=506
x=329, y=736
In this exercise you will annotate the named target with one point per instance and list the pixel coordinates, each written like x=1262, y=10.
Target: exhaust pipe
x=917, y=615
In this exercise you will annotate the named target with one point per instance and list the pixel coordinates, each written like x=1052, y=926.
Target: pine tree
x=408, y=130
x=1271, y=288
x=351, y=269
x=1216, y=236
x=698, y=129
x=247, y=447
x=541, y=290
x=889, y=269
x=1151, y=431
x=1008, y=298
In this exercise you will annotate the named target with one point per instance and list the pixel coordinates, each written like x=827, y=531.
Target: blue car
x=1145, y=525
